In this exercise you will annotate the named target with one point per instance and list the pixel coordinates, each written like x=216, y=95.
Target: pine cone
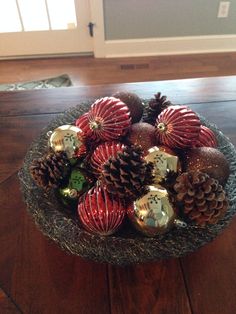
x=155, y=107
x=50, y=170
x=203, y=198
x=127, y=175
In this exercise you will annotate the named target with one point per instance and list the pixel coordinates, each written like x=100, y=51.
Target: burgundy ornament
x=100, y=213
x=102, y=153
x=107, y=120
x=83, y=123
x=206, y=138
x=178, y=127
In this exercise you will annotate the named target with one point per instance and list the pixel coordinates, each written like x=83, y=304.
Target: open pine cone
x=203, y=198
x=127, y=175
x=50, y=170
x=155, y=107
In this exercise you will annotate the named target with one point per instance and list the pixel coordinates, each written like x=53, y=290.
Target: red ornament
x=102, y=153
x=100, y=213
x=178, y=127
x=206, y=138
x=107, y=120
x=83, y=123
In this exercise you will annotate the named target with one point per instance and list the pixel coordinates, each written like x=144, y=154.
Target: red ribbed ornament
x=83, y=123
x=178, y=127
x=206, y=138
x=102, y=153
x=100, y=213
x=107, y=120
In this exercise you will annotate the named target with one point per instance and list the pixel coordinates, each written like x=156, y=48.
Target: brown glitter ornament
x=203, y=198
x=208, y=160
x=142, y=134
x=133, y=102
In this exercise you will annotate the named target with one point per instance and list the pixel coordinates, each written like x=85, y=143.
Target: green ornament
x=77, y=180
x=77, y=184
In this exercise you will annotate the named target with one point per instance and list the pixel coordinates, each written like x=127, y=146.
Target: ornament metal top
x=66, y=138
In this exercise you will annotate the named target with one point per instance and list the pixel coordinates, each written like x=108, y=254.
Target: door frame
x=154, y=46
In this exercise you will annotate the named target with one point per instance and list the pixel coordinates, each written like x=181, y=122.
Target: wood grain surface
x=41, y=278
x=178, y=91
x=87, y=70
x=6, y=305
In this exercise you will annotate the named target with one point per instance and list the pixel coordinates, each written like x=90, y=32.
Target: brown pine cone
x=155, y=107
x=203, y=198
x=51, y=170
x=128, y=175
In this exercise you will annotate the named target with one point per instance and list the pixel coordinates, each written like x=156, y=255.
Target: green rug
x=53, y=82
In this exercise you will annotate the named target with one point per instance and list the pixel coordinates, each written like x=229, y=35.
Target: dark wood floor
x=90, y=71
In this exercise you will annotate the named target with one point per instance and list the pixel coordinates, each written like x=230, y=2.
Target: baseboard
x=47, y=56
x=167, y=46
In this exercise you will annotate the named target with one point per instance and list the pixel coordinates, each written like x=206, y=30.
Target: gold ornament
x=153, y=214
x=66, y=138
x=164, y=160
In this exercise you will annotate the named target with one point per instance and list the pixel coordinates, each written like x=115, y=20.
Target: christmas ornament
x=66, y=138
x=142, y=134
x=178, y=127
x=99, y=212
x=78, y=183
x=206, y=138
x=51, y=170
x=153, y=214
x=127, y=174
x=204, y=200
x=107, y=120
x=88, y=138
x=102, y=153
x=164, y=160
x=208, y=160
x=133, y=102
x=155, y=107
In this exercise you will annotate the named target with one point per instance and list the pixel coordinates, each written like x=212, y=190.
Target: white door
x=41, y=27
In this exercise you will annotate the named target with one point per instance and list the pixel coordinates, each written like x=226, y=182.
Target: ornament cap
x=180, y=223
x=161, y=127
x=95, y=125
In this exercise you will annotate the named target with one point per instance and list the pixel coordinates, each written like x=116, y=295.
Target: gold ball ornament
x=164, y=160
x=66, y=138
x=153, y=214
x=208, y=160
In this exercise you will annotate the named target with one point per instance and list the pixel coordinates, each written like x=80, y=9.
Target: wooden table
x=37, y=277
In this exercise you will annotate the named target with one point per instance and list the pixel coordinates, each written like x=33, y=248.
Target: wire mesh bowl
x=126, y=246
